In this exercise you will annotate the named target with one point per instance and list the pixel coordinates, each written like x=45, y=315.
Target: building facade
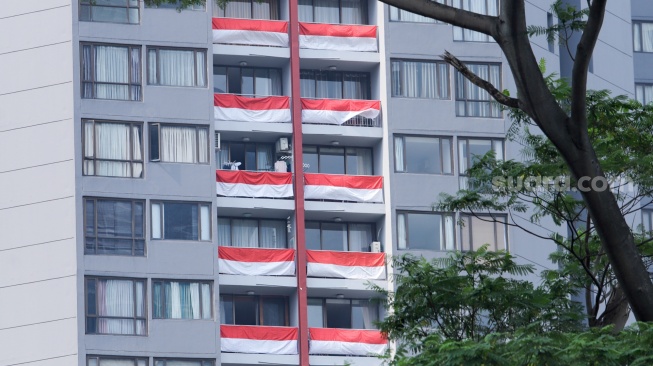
x=219, y=186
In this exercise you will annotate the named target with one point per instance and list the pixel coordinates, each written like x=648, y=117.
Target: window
x=425, y=231
x=420, y=79
x=333, y=11
x=181, y=221
x=549, y=25
x=334, y=84
x=181, y=299
x=111, y=72
x=485, y=7
x=647, y=220
x=247, y=81
x=253, y=156
x=248, y=9
x=113, y=11
x=342, y=313
x=644, y=93
x=338, y=160
x=422, y=154
x=252, y=233
x=642, y=36
x=114, y=227
x=179, y=144
x=337, y=236
x=470, y=151
x=478, y=230
x=113, y=149
x=182, y=362
x=399, y=15
x=176, y=67
x=115, y=361
x=254, y=310
x=115, y=306
x=471, y=100
x=176, y=5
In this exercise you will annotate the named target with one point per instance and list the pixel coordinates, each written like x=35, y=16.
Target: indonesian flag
x=250, y=32
x=357, y=188
x=231, y=107
x=241, y=183
x=256, y=261
x=347, y=342
x=338, y=111
x=354, y=265
x=258, y=339
x=338, y=37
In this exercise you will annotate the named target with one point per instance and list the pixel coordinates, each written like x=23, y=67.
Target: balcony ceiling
x=254, y=56
x=340, y=64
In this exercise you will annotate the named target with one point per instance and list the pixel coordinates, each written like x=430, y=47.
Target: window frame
x=226, y=145
x=259, y=300
x=365, y=12
x=157, y=126
x=93, y=82
x=638, y=24
x=493, y=217
x=489, y=39
x=347, y=223
x=199, y=206
x=644, y=85
x=166, y=6
x=94, y=159
x=435, y=21
x=344, y=156
x=442, y=228
x=195, y=51
x=341, y=80
x=465, y=91
x=258, y=221
x=97, y=358
x=201, y=361
x=351, y=300
x=469, y=157
x=162, y=299
x=135, y=318
x=240, y=72
x=90, y=4
x=223, y=15
x=134, y=238
x=402, y=76
x=441, y=148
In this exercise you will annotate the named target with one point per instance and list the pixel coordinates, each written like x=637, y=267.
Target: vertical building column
x=298, y=168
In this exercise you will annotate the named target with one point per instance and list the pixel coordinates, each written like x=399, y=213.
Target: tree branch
x=462, y=18
x=484, y=84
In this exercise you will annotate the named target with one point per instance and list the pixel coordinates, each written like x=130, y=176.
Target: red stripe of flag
x=256, y=255
x=256, y=104
x=250, y=25
x=253, y=178
x=337, y=30
x=346, y=181
x=350, y=259
x=347, y=335
x=258, y=332
x=340, y=105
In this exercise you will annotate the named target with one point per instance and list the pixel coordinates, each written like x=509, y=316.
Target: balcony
x=346, y=342
x=339, y=187
x=240, y=183
x=338, y=37
x=258, y=339
x=349, y=265
x=347, y=112
x=256, y=261
x=250, y=32
x=231, y=107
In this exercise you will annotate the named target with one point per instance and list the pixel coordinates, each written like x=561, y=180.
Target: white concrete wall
x=38, y=290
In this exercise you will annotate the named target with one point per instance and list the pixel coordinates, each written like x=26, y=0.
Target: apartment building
x=219, y=186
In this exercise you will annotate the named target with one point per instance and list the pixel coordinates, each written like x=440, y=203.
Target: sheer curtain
x=87, y=72
x=411, y=79
x=401, y=231
x=244, y=233
x=307, y=84
x=359, y=161
x=113, y=144
x=647, y=37
x=264, y=158
x=135, y=74
x=179, y=144
x=235, y=9
x=429, y=80
x=396, y=78
x=486, y=7
x=266, y=9
x=116, y=299
x=176, y=68
x=306, y=10
x=353, y=12
x=360, y=237
x=448, y=233
x=224, y=232
x=399, y=154
x=206, y=301
x=355, y=85
x=326, y=11
x=111, y=66
x=364, y=314
x=273, y=234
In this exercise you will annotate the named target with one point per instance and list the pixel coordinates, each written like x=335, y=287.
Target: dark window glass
x=115, y=306
x=111, y=72
x=342, y=313
x=254, y=310
x=334, y=84
x=113, y=11
x=337, y=160
x=332, y=160
x=247, y=81
x=420, y=79
x=252, y=233
x=181, y=299
x=114, y=227
x=333, y=11
x=355, y=237
x=338, y=313
x=248, y=9
x=334, y=236
x=274, y=311
x=181, y=221
x=428, y=231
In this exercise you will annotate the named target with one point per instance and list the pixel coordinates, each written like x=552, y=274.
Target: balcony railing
x=240, y=183
x=258, y=339
x=350, y=112
x=351, y=265
x=339, y=187
x=232, y=107
x=256, y=261
x=346, y=342
x=250, y=32
x=338, y=37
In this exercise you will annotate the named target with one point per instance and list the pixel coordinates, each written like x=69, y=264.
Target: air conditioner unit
x=217, y=140
x=282, y=145
x=375, y=247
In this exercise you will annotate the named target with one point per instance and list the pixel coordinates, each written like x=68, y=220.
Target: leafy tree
x=567, y=126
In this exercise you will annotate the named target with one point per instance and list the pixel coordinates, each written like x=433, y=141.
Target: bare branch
x=484, y=84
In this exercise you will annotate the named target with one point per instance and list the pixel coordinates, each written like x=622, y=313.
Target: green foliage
x=183, y=4
x=570, y=20
x=467, y=296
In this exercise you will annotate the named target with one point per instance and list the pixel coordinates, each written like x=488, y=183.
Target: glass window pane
x=313, y=237
x=360, y=237
x=359, y=161
x=247, y=82
x=220, y=79
x=246, y=311
x=482, y=232
x=478, y=148
x=272, y=234
x=205, y=223
x=310, y=159
x=332, y=160
x=364, y=314
x=180, y=221
x=274, y=311
x=226, y=310
x=338, y=313
x=423, y=231
x=334, y=236
x=423, y=155
x=315, y=315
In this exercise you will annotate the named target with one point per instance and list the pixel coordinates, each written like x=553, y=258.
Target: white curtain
x=306, y=10
x=429, y=80
x=200, y=67
x=264, y=158
x=179, y=144
x=497, y=147
x=448, y=233
x=244, y=233
x=111, y=66
x=485, y=7
x=353, y=12
x=195, y=299
x=326, y=11
x=224, y=232
x=401, y=231
x=410, y=80
x=116, y=299
x=447, y=160
x=203, y=145
x=360, y=237
x=647, y=37
x=156, y=221
x=399, y=154
x=176, y=68
x=174, y=307
x=205, y=222
x=235, y=9
x=273, y=234
x=206, y=301
x=113, y=143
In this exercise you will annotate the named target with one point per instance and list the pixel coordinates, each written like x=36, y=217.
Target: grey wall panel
x=45, y=105
x=55, y=339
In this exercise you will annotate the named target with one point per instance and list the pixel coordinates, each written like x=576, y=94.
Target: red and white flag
x=231, y=107
x=338, y=111
x=258, y=339
x=347, y=342
x=338, y=187
x=241, y=183
x=250, y=32
x=338, y=37
x=256, y=261
x=354, y=265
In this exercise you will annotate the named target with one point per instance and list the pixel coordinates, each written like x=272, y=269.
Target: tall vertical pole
x=298, y=168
